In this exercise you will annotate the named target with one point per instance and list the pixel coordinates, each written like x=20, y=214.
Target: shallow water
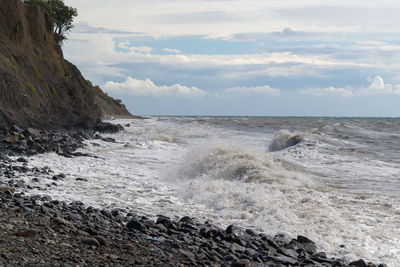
x=339, y=185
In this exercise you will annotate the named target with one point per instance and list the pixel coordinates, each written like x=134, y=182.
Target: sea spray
x=335, y=186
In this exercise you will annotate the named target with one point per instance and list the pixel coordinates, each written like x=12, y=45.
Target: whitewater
x=334, y=180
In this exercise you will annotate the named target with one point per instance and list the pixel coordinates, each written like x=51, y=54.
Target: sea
x=334, y=180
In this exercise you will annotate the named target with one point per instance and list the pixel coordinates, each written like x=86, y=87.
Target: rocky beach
x=40, y=231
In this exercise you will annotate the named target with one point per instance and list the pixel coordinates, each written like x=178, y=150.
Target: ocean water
x=334, y=180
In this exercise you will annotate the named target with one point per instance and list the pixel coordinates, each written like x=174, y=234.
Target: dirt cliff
x=38, y=87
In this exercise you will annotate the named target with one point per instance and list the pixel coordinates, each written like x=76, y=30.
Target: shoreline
x=35, y=227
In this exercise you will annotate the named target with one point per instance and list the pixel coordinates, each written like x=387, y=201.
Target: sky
x=242, y=58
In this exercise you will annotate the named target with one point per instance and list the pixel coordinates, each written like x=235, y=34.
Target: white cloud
x=379, y=87
x=126, y=45
x=147, y=88
x=173, y=51
x=264, y=90
x=343, y=92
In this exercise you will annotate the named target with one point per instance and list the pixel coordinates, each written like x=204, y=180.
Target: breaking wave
x=284, y=139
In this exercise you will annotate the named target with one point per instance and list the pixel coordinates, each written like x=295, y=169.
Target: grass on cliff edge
x=35, y=72
x=31, y=88
x=7, y=62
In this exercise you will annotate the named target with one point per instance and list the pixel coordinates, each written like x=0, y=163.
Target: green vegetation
x=62, y=15
x=53, y=91
x=89, y=83
x=107, y=98
x=117, y=101
x=31, y=88
x=35, y=72
x=7, y=62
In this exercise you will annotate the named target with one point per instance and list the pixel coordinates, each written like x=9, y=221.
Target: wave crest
x=284, y=139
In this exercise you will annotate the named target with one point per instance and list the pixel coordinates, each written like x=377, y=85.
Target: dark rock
x=108, y=139
x=284, y=260
x=250, y=252
x=186, y=219
x=135, y=225
x=166, y=222
x=242, y=263
x=359, y=263
x=237, y=248
x=339, y=263
x=234, y=230
x=230, y=257
x=161, y=228
x=250, y=232
x=22, y=160
x=304, y=240
x=91, y=241
x=187, y=254
x=105, y=127
x=101, y=240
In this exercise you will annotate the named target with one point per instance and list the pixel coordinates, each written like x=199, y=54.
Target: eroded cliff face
x=38, y=87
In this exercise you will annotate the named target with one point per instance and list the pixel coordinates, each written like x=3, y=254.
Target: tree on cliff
x=63, y=15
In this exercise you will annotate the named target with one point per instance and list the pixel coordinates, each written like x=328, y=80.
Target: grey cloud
x=287, y=34
x=84, y=27
x=198, y=17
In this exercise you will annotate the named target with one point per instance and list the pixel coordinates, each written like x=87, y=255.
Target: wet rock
x=108, y=139
x=230, y=258
x=339, y=263
x=62, y=221
x=26, y=233
x=135, y=225
x=186, y=219
x=242, y=263
x=24, y=160
x=91, y=241
x=237, y=248
x=234, y=230
x=284, y=260
x=359, y=263
x=101, y=240
x=188, y=254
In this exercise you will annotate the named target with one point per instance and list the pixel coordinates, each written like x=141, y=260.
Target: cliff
x=38, y=87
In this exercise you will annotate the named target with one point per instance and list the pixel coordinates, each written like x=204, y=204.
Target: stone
x=186, y=219
x=160, y=227
x=250, y=252
x=62, y=221
x=339, y=263
x=285, y=260
x=304, y=240
x=187, y=254
x=135, y=225
x=24, y=160
x=359, y=263
x=166, y=222
x=234, y=230
x=237, y=248
x=242, y=263
x=101, y=240
x=91, y=241
x=108, y=139
x=26, y=233
x=230, y=257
